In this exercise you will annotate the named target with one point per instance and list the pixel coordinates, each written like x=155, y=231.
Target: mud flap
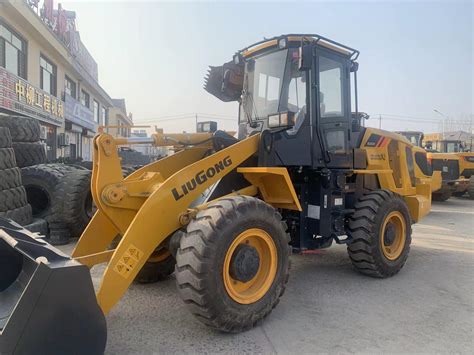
x=47, y=300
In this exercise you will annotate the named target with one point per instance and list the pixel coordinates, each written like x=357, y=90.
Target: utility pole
x=196, y=117
x=380, y=121
x=443, y=121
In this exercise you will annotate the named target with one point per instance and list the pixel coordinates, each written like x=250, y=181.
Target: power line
x=188, y=116
x=414, y=118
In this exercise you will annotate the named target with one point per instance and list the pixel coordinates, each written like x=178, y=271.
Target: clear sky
x=415, y=56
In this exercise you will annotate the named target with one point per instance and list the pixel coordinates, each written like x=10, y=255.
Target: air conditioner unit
x=63, y=139
x=43, y=132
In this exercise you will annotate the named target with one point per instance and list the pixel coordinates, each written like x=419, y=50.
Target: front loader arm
x=146, y=218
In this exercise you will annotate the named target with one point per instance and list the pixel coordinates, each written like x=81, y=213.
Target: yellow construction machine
x=224, y=213
x=452, y=168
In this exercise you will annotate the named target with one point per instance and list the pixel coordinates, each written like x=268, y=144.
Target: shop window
x=12, y=51
x=96, y=111
x=47, y=76
x=85, y=99
x=70, y=87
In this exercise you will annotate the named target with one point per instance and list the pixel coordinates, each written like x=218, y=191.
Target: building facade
x=47, y=73
x=119, y=120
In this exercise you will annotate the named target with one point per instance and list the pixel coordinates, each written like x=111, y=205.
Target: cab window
x=330, y=88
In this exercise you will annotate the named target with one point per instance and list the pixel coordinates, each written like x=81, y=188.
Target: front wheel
x=380, y=229
x=233, y=263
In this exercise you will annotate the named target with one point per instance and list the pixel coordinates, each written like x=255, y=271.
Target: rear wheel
x=233, y=263
x=160, y=265
x=380, y=229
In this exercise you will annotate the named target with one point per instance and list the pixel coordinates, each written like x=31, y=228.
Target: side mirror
x=306, y=57
x=354, y=67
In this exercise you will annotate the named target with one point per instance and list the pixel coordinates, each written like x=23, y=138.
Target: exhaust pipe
x=47, y=300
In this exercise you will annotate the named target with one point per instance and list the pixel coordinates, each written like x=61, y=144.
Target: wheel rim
x=393, y=235
x=254, y=289
x=159, y=255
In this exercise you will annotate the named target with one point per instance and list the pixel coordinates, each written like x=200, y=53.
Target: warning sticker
x=128, y=261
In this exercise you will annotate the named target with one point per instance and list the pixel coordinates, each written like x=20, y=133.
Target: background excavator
x=225, y=213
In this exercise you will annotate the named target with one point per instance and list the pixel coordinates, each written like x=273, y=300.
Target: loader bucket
x=47, y=300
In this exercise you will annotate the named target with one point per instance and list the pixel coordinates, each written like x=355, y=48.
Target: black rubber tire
x=441, y=196
x=127, y=170
x=38, y=225
x=59, y=236
x=5, y=138
x=11, y=199
x=41, y=183
x=21, y=215
x=77, y=208
x=7, y=158
x=10, y=178
x=28, y=154
x=156, y=271
x=470, y=189
x=201, y=255
x=22, y=129
x=364, y=229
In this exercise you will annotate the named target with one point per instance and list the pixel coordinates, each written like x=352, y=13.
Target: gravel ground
x=427, y=307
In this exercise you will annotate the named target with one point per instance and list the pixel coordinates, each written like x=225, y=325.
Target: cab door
x=332, y=101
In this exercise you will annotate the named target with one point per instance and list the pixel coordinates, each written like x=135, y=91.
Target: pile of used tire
x=25, y=134
x=56, y=196
x=132, y=157
x=13, y=199
x=60, y=194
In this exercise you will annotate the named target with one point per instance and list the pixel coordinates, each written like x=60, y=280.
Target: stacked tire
x=74, y=208
x=60, y=194
x=13, y=201
x=25, y=135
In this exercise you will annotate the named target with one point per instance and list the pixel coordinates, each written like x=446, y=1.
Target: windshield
x=273, y=84
x=452, y=147
x=414, y=138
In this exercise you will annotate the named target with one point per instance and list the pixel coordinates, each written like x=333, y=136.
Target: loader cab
x=415, y=137
x=297, y=90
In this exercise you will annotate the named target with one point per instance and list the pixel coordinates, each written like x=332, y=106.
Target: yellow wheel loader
x=302, y=174
x=466, y=168
x=450, y=171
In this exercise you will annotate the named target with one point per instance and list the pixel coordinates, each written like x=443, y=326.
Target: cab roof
x=269, y=43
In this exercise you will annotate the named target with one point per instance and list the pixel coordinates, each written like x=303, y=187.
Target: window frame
x=103, y=115
x=66, y=80
x=21, y=72
x=86, y=95
x=343, y=94
x=53, y=90
x=94, y=102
